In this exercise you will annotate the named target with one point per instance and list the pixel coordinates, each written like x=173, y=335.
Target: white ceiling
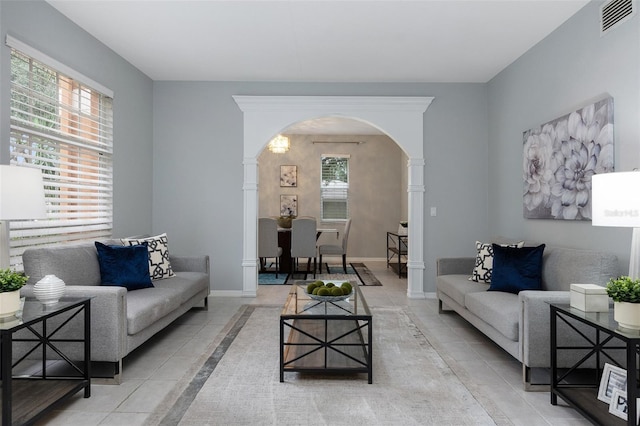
x=326, y=41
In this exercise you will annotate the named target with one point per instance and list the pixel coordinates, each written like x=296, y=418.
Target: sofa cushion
x=124, y=266
x=499, y=309
x=189, y=284
x=564, y=266
x=75, y=265
x=146, y=306
x=483, y=267
x=457, y=286
x=517, y=269
x=159, y=264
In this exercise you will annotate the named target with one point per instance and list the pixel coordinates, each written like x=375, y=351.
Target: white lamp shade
x=616, y=199
x=21, y=193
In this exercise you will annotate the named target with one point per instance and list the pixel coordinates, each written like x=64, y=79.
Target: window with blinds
x=334, y=187
x=65, y=129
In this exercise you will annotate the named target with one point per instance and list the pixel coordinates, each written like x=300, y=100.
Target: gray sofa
x=121, y=320
x=519, y=323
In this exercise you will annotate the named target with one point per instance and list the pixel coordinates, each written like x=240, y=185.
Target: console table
x=28, y=396
x=603, y=342
x=397, y=250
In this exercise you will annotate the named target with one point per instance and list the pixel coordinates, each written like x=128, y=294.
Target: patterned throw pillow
x=159, y=265
x=483, y=268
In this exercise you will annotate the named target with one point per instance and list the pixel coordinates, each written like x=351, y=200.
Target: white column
x=415, y=262
x=250, y=229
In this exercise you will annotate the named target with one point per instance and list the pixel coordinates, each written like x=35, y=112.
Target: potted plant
x=625, y=293
x=285, y=221
x=10, y=284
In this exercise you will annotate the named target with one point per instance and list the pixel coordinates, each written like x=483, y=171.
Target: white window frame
x=69, y=137
x=335, y=190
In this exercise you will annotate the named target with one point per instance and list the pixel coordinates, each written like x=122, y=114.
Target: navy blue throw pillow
x=517, y=269
x=124, y=266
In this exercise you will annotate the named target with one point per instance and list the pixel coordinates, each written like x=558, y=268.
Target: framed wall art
x=288, y=176
x=288, y=205
x=559, y=159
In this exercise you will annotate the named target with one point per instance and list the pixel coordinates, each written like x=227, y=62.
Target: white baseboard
x=226, y=293
x=364, y=259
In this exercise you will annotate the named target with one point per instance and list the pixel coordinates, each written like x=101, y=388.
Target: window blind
x=64, y=128
x=334, y=187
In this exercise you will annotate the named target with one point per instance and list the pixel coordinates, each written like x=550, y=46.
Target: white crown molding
x=345, y=103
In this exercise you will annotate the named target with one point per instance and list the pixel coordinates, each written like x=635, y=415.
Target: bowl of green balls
x=329, y=292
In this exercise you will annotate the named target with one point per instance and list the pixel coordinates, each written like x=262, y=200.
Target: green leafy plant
x=11, y=280
x=624, y=289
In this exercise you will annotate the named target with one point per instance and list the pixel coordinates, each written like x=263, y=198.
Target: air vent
x=615, y=12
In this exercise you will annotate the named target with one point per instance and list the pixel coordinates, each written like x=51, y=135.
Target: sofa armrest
x=455, y=265
x=190, y=263
x=108, y=318
x=535, y=325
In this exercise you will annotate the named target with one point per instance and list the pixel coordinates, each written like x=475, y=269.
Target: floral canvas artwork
x=288, y=176
x=559, y=159
x=288, y=205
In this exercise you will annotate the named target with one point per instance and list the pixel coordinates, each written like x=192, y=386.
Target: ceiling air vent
x=615, y=12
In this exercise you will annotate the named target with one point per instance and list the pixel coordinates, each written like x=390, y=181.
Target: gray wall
x=198, y=172
x=375, y=187
x=39, y=25
x=569, y=69
x=179, y=145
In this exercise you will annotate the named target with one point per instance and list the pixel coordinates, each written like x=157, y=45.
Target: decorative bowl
x=330, y=298
x=285, y=221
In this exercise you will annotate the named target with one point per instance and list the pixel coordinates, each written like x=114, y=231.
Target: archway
x=399, y=117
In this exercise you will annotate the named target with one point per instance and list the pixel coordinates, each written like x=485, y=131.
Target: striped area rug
x=356, y=272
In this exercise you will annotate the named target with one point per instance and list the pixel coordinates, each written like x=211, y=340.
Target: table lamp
x=615, y=201
x=21, y=198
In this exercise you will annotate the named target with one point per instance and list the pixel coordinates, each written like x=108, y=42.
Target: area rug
x=269, y=278
x=268, y=275
x=326, y=268
x=366, y=276
x=357, y=273
x=239, y=383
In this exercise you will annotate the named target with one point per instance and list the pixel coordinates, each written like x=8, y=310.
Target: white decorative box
x=589, y=298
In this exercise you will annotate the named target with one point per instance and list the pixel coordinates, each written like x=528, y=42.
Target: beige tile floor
x=151, y=371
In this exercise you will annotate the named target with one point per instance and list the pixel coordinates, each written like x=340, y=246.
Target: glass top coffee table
x=319, y=336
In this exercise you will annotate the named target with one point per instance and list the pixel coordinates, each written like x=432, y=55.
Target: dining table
x=284, y=241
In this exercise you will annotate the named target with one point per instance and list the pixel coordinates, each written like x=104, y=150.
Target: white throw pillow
x=483, y=268
x=159, y=265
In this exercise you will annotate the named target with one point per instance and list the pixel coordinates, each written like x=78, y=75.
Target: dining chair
x=337, y=249
x=303, y=243
x=268, y=241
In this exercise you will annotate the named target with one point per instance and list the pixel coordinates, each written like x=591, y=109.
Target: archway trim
x=401, y=118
